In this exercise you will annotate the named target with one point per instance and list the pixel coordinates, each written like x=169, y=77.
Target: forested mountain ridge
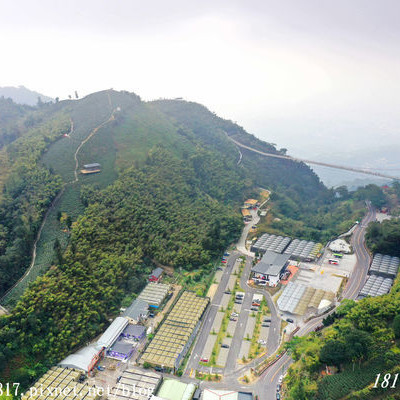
x=22, y=95
x=169, y=190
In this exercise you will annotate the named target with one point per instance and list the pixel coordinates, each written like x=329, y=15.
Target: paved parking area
x=244, y=349
x=225, y=300
x=217, y=321
x=237, y=308
x=231, y=282
x=326, y=276
x=222, y=357
x=231, y=328
x=251, y=323
x=209, y=346
x=236, y=266
x=264, y=333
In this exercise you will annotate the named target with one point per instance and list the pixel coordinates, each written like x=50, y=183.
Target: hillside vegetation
x=148, y=210
x=28, y=189
x=169, y=191
x=384, y=237
x=304, y=207
x=362, y=342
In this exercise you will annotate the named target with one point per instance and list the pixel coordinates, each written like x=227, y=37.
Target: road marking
x=277, y=372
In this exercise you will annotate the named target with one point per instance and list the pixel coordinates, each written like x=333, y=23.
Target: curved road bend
x=266, y=387
x=359, y=274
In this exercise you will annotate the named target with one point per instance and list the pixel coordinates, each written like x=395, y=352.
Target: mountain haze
x=22, y=95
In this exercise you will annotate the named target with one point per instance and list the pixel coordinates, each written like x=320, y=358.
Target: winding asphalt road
x=359, y=274
x=269, y=379
x=265, y=386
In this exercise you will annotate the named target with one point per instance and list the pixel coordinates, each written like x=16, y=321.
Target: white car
x=280, y=379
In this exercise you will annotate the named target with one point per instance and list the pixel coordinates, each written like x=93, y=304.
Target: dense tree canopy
x=384, y=237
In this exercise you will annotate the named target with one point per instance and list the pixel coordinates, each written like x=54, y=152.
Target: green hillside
x=362, y=342
x=168, y=192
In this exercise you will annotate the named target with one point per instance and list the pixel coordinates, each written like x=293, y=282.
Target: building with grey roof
x=156, y=274
x=216, y=394
x=141, y=384
x=269, y=242
x=84, y=359
x=385, y=266
x=113, y=332
x=303, y=250
x=134, y=332
x=270, y=268
x=138, y=311
x=121, y=350
x=376, y=286
x=93, y=165
x=154, y=294
x=127, y=342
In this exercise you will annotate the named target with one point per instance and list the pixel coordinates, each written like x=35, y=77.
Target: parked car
x=238, y=301
x=232, y=319
x=226, y=254
x=225, y=346
x=255, y=303
x=318, y=328
x=278, y=396
x=264, y=324
x=289, y=320
x=254, y=308
x=204, y=360
x=267, y=319
x=234, y=314
x=159, y=369
x=227, y=291
x=280, y=379
x=224, y=261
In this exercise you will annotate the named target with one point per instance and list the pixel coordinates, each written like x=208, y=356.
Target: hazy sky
x=290, y=71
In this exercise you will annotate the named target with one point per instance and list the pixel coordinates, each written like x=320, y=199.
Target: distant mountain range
x=22, y=95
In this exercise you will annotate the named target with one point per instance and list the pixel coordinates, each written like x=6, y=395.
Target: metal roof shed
x=81, y=359
x=94, y=165
x=113, y=332
x=137, y=310
x=157, y=272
